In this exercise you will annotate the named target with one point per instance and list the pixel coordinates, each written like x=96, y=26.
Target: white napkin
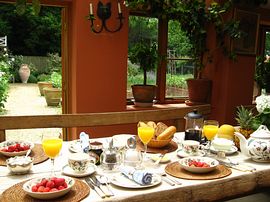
x=141, y=177
x=84, y=141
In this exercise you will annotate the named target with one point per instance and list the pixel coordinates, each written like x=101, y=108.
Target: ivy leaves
x=21, y=6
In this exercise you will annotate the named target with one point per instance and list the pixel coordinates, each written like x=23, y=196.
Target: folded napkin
x=141, y=177
x=84, y=141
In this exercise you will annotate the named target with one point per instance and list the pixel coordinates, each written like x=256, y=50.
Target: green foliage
x=144, y=54
x=32, y=79
x=56, y=80
x=29, y=34
x=43, y=77
x=177, y=80
x=54, y=63
x=4, y=85
x=262, y=73
x=133, y=69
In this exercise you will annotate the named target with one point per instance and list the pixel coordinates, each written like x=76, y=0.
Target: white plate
x=165, y=159
x=47, y=195
x=70, y=172
x=122, y=181
x=213, y=163
x=12, y=142
x=229, y=152
x=183, y=154
x=120, y=140
x=75, y=146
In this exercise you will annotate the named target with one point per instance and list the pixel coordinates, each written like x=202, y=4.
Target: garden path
x=25, y=99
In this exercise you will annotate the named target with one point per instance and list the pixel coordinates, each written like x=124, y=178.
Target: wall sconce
x=104, y=13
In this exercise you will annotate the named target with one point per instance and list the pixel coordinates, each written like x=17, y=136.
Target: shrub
x=32, y=79
x=54, y=63
x=4, y=79
x=56, y=79
x=43, y=77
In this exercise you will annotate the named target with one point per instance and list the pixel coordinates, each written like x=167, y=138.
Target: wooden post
x=2, y=135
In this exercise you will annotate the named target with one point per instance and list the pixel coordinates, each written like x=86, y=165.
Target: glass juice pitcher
x=194, y=125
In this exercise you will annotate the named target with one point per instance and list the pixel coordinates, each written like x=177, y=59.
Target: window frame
x=162, y=65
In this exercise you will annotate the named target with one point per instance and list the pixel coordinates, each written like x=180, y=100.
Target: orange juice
x=52, y=147
x=145, y=134
x=210, y=131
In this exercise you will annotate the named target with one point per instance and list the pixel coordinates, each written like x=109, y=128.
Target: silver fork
x=104, y=181
x=174, y=181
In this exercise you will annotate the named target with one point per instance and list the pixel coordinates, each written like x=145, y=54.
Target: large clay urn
x=24, y=73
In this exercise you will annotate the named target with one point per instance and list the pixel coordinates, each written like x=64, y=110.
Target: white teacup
x=191, y=147
x=79, y=162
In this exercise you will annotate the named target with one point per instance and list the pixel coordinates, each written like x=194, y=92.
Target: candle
x=91, y=9
x=119, y=8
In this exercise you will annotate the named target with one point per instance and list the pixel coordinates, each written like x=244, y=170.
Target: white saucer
x=228, y=152
x=66, y=170
x=144, y=104
x=183, y=154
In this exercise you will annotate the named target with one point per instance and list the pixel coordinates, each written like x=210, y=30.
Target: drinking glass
x=210, y=129
x=145, y=134
x=52, y=145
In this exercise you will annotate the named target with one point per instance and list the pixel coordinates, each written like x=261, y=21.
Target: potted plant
x=53, y=95
x=144, y=54
x=262, y=73
x=44, y=82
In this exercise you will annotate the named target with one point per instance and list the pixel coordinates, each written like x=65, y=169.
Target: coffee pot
x=193, y=126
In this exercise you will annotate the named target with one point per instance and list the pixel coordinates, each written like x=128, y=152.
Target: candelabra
x=104, y=13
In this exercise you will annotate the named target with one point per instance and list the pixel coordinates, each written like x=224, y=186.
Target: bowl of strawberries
x=15, y=148
x=48, y=187
x=198, y=164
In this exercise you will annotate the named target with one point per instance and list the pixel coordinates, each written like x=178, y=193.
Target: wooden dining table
x=235, y=184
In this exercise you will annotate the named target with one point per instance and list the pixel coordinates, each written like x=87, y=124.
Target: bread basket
x=159, y=143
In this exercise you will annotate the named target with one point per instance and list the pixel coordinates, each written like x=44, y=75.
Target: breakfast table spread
x=231, y=173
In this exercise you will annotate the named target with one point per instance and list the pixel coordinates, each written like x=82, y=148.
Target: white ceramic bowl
x=222, y=144
x=27, y=187
x=19, y=164
x=6, y=144
x=184, y=163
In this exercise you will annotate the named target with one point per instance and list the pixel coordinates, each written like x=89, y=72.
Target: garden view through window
x=179, y=67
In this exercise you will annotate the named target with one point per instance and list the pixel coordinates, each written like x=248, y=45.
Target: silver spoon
x=27, y=153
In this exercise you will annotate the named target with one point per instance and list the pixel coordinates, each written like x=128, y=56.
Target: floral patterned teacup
x=191, y=147
x=79, y=162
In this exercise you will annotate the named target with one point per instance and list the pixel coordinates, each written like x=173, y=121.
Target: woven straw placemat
x=175, y=170
x=37, y=153
x=172, y=146
x=16, y=193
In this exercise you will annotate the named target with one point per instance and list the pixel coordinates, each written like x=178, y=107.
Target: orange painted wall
x=98, y=65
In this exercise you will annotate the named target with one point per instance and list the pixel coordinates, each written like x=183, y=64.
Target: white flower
x=262, y=103
x=5, y=49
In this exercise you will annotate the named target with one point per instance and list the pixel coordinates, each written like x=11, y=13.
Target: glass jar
x=96, y=149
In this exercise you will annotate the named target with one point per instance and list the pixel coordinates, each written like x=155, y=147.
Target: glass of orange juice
x=52, y=145
x=210, y=129
x=145, y=134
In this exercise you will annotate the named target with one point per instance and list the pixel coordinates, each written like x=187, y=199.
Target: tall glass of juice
x=145, y=134
x=52, y=145
x=210, y=129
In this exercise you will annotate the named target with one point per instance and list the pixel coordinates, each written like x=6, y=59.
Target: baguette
x=167, y=133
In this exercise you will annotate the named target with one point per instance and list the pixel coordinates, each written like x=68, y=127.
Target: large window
x=177, y=64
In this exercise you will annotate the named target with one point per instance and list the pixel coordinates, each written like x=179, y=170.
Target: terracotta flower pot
x=144, y=93
x=199, y=90
x=53, y=96
x=42, y=85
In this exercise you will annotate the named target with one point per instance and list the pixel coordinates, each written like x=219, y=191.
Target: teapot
x=257, y=146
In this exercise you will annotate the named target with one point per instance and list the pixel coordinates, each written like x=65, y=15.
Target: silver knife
x=98, y=184
x=92, y=186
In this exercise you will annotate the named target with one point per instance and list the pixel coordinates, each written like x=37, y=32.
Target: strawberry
x=50, y=184
x=65, y=185
x=53, y=189
x=41, y=189
x=61, y=188
x=59, y=181
x=34, y=189
x=44, y=182
x=47, y=189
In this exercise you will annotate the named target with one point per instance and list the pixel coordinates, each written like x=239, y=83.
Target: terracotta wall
x=98, y=64
x=232, y=80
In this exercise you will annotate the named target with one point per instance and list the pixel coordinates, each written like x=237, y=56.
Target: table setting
x=119, y=167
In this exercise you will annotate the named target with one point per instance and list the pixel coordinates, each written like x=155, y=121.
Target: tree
x=29, y=34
